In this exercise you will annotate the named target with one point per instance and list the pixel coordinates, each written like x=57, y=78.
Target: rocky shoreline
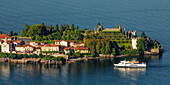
x=55, y=62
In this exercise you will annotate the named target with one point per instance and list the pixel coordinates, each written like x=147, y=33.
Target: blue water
x=151, y=16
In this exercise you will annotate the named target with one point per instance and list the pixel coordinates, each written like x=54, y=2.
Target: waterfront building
x=19, y=42
x=71, y=43
x=4, y=37
x=78, y=44
x=7, y=46
x=51, y=47
x=61, y=42
x=81, y=49
x=68, y=49
x=24, y=48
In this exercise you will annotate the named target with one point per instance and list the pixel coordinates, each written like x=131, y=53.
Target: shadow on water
x=46, y=73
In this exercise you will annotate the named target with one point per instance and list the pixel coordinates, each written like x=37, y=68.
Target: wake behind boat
x=130, y=64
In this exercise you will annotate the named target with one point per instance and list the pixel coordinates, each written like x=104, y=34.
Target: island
x=40, y=43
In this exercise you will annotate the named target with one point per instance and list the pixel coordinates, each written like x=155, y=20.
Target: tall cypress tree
x=56, y=27
x=72, y=27
x=61, y=28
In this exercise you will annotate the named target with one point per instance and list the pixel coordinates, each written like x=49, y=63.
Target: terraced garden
x=118, y=37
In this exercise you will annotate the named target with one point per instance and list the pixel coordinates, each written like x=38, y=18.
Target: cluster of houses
x=9, y=45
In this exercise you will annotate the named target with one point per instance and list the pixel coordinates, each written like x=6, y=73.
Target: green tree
x=84, y=29
x=142, y=44
x=103, y=47
x=107, y=48
x=24, y=33
x=61, y=29
x=37, y=37
x=72, y=27
x=0, y=32
x=20, y=56
x=42, y=24
x=26, y=26
x=41, y=56
x=25, y=56
x=11, y=33
x=56, y=27
x=15, y=34
x=143, y=35
x=77, y=27
x=98, y=47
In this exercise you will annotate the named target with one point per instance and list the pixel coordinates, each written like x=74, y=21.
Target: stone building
x=134, y=42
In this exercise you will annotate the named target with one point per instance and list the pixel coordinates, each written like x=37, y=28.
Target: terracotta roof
x=17, y=42
x=68, y=48
x=32, y=41
x=81, y=48
x=4, y=36
x=1, y=40
x=78, y=43
x=51, y=45
x=57, y=40
x=20, y=46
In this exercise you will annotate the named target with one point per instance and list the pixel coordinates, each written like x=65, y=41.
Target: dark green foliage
x=84, y=29
x=0, y=32
x=37, y=37
x=61, y=29
x=11, y=33
x=40, y=56
x=20, y=56
x=15, y=34
x=143, y=35
x=11, y=55
x=56, y=28
x=72, y=27
x=98, y=47
x=77, y=27
x=47, y=57
x=25, y=56
x=26, y=26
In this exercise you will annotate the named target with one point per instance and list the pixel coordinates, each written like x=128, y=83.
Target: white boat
x=130, y=64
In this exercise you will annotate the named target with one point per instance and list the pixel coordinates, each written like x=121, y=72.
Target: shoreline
x=55, y=62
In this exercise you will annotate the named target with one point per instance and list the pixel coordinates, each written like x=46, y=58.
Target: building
x=68, y=49
x=81, y=49
x=134, y=42
x=133, y=33
x=50, y=47
x=6, y=46
x=24, y=48
x=61, y=42
x=78, y=44
x=4, y=37
x=19, y=42
x=71, y=43
x=33, y=43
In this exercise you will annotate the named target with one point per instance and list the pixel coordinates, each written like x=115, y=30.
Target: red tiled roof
x=16, y=42
x=4, y=36
x=51, y=45
x=1, y=40
x=20, y=46
x=32, y=41
x=81, y=48
x=57, y=40
x=68, y=48
x=78, y=43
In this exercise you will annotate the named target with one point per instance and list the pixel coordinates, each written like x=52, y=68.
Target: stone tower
x=134, y=42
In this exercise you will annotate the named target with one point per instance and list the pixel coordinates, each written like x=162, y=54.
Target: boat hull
x=130, y=66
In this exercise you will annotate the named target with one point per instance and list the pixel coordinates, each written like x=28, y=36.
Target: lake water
x=150, y=16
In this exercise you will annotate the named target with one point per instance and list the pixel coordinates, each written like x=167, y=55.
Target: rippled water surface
x=151, y=16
